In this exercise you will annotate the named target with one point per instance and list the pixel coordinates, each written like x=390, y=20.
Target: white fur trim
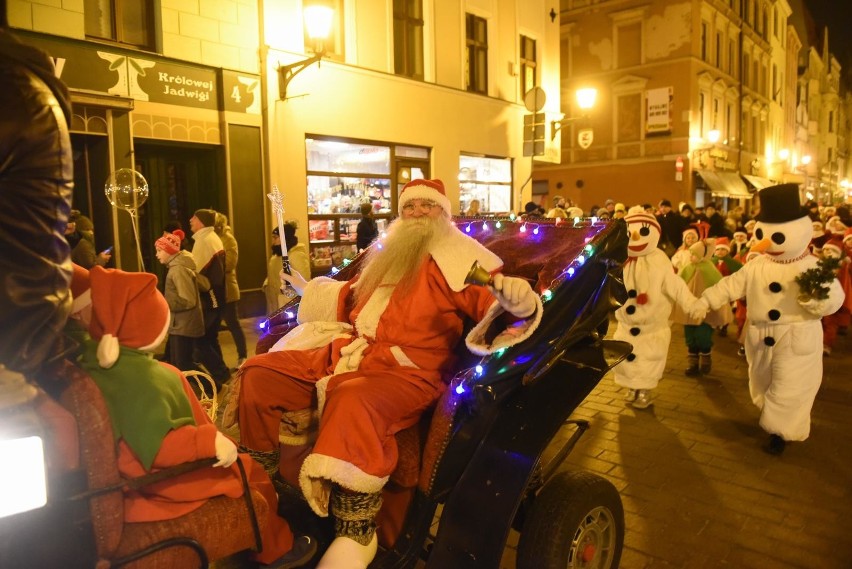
x=312, y=335
x=319, y=301
x=108, y=351
x=82, y=301
x=159, y=339
x=455, y=255
x=424, y=192
x=321, y=386
x=401, y=358
x=367, y=322
x=339, y=471
x=515, y=334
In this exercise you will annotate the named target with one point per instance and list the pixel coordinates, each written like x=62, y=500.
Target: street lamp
x=318, y=19
x=585, y=100
x=713, y=136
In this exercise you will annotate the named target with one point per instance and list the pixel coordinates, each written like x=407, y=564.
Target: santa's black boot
x=706, y=363
x=692, y=365
x=267, y=459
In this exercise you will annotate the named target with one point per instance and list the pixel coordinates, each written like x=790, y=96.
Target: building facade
x=699, y=101
x=216, y=101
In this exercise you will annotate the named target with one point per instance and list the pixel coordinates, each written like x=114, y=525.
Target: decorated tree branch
x=813, y=283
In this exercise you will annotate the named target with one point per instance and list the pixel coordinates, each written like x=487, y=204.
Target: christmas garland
x=813, y=282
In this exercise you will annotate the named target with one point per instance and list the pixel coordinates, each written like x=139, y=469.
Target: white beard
x=403, y=251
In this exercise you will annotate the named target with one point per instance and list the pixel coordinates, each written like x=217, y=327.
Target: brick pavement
x=697, y=489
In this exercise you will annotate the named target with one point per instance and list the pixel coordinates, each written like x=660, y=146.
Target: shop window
x=128, y=22
x=341, y=177
x=476, y=60
x=408, y=38
x=488, y=180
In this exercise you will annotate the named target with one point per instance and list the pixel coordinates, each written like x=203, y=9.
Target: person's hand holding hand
x=226, y=451
x=698, y=310
x=296, y=280
x=514, y=295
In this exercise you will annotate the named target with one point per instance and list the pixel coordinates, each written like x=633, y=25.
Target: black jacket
x=36, y=179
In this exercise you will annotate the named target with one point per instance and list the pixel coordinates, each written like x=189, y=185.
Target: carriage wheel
x=577, y=520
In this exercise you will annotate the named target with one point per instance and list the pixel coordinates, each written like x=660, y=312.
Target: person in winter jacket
x=232, y=288
x=181, y=293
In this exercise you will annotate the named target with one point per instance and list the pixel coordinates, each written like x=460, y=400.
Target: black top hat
x=780, y=204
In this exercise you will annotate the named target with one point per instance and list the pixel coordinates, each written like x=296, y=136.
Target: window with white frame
x=129, y=22
x=486, y=179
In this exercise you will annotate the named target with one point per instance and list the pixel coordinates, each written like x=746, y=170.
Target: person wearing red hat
x=726, y=265
x=369, y=356
x=181, y=293
x=157, y=421
x=652, y=289
x=837, y=322
x=783, y=333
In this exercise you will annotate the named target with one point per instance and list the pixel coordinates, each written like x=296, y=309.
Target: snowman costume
x=652, y=289
x=783, y=339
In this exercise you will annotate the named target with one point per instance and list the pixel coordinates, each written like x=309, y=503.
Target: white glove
x=814, y=306
x=514, y=295
x=296, y=280
x=698, y=310
x=226, y=451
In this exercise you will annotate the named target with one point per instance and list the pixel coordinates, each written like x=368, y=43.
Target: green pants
x=699, y=339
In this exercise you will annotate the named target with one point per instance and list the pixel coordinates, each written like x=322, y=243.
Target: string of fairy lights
x=463, y=380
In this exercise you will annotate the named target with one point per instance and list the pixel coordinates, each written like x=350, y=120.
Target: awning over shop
x=757, y=182
x=725, y=184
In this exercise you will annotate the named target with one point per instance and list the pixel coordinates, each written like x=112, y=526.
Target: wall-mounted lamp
x=706, y=145
x=318, y=20
x=585, y=100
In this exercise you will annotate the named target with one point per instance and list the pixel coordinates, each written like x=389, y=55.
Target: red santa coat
x=372, y=371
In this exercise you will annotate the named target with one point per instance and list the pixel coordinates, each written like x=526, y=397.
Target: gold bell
x=477, y=275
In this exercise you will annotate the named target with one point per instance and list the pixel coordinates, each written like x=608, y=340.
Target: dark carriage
x=475, y=464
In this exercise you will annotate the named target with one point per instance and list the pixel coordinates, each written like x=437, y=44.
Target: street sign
x=585, y=136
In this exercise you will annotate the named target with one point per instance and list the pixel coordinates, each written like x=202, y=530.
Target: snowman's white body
x=643, y=321
x=783, y=340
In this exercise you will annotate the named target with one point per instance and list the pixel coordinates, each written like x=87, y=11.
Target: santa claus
x=652, y=288
x=369, y=355
x=783, y=336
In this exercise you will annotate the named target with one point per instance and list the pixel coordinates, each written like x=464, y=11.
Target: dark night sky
x=837, y=15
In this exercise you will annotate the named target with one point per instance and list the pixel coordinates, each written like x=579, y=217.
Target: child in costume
x=652, y=289
x=682, y=256
x=784, y=335
x=833, y=323
x=181, y=293
x=726, y=265
x=157, y=421
x=699, y=275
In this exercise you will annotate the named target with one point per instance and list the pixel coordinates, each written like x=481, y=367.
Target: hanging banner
x=658, y=110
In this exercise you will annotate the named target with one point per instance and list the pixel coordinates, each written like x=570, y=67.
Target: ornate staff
x=277, y=199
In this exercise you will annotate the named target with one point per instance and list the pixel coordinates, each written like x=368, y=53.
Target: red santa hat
x=742, y=234
x=835, y=244
x=127, y=309
x=723, y=243
x=170, y=242
x=432, y=190
x=81, y=284
x=847, y=237
x=642, y=217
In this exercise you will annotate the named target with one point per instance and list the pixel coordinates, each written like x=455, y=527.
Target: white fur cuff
x=338, y=471
x=512, y=335
x=319, y=301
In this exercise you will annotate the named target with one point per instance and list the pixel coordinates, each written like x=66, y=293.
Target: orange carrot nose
x=761, y=246
x=634, y=235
